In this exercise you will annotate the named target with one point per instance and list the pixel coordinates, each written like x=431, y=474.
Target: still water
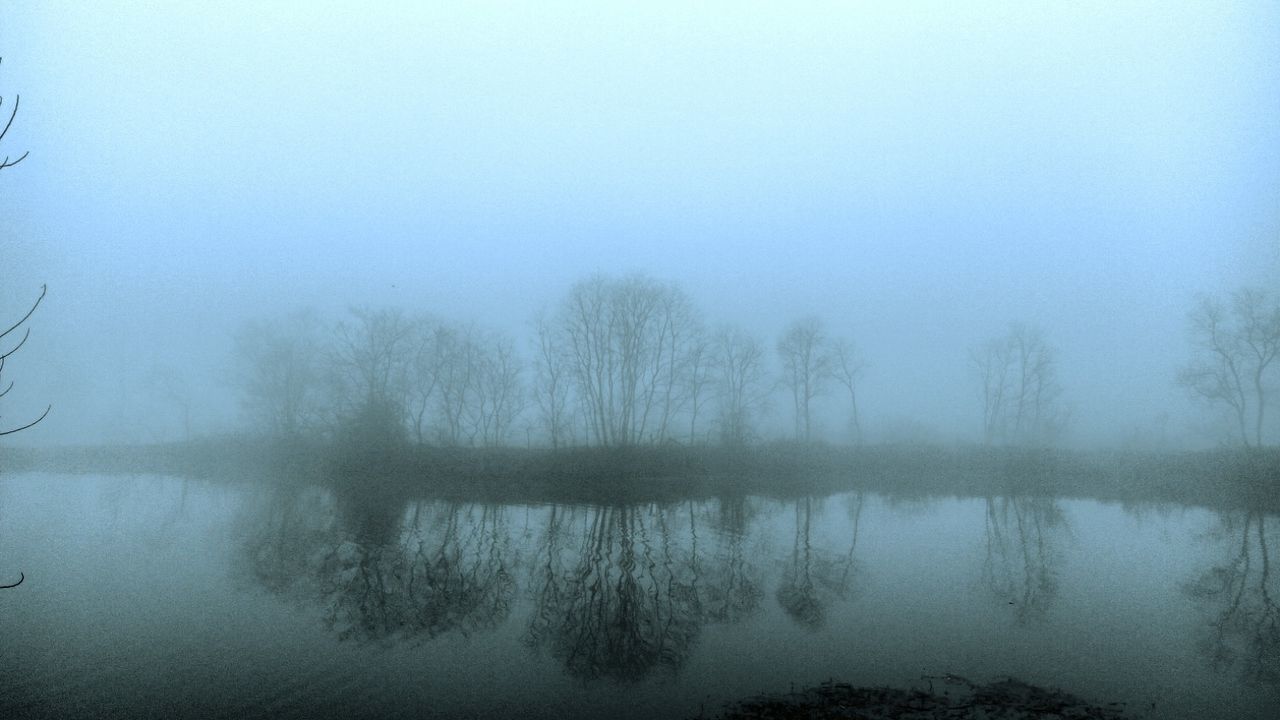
x=163, y=597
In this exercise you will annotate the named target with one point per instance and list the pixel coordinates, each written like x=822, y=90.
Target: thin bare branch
x=43, y=290
x=43, y=415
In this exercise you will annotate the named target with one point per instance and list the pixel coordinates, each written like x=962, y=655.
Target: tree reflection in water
x=615, y=592
x=733, y=593
x=623, y=603
x=384, y=571
x=814, y=578
x=1020, y=567
x=1242, y=595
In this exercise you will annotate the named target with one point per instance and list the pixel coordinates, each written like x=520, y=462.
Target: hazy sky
x=920, y=174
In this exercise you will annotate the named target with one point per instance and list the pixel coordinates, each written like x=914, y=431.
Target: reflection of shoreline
x=1242, y=595
x=1221, y=479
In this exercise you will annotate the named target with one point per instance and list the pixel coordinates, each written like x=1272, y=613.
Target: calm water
x=163, y=597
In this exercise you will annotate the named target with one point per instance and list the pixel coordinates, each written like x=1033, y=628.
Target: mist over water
x=595, y=360
x=156, y=592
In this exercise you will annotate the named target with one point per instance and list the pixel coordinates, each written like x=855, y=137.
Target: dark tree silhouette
x=1234, y=351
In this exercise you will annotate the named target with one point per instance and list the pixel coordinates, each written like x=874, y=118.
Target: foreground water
x=164, y=597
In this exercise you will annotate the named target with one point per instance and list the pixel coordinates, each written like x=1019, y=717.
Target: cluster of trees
x=620, y=362
x=379, y=377
x=624, y=361
x=1234, y=347
x=1017, y=378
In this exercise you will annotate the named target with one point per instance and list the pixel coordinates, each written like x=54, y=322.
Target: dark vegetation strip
x=1008, y=698
x=1221, y=479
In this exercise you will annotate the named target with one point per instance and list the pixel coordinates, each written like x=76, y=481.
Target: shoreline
x=1220, y=479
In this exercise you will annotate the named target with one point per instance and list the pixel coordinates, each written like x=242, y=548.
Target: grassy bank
x=1220, y=479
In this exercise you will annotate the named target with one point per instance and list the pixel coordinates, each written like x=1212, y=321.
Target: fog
x=919, y=178
x=553, y=359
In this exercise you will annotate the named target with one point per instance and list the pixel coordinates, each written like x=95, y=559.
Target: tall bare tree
x=1233, y=354
x=806, y=368
x=551, y=383
x=424, y=378
x=497, y=394
x=699, y=375
x=741, y=384
x=1017, y=376
x=370, y=360
x=458, y=356
x=625, y=340
x=847, y=367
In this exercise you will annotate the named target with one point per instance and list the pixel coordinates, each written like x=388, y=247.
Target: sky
x=918, y=174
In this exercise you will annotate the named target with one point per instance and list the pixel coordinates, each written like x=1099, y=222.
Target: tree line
x=620, y=361
x=630, y=360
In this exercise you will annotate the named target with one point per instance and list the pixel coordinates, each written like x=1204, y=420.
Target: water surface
x=158, y=596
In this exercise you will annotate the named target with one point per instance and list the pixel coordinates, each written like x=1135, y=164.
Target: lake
x=155, y=596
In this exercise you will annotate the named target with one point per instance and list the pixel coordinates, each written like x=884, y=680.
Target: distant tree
x=699, y=376
x=279, y=372
x=626, y=341
x=1233, y=354
x=423, y=382
x=5, y=354
x=806, y=368
x=741, y=383
x=847, y=367
x=990, y=363
x=551, y=383
x=458, y=359
x=370, y=362
x=1017, y=375
x=498, y=396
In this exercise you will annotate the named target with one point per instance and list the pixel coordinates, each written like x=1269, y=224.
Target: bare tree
x=551, y=383
x=424, y=377
x=457, y=355
x=741, y=385
x=698, y=377
x=1017, y=375
x=370, y=359
x=990, y=363
x=625, y=341
x=1233, y=350
x=847, y=366
x=806, y=364
x=6, y=354
x=497, y=396
x=279, y=372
